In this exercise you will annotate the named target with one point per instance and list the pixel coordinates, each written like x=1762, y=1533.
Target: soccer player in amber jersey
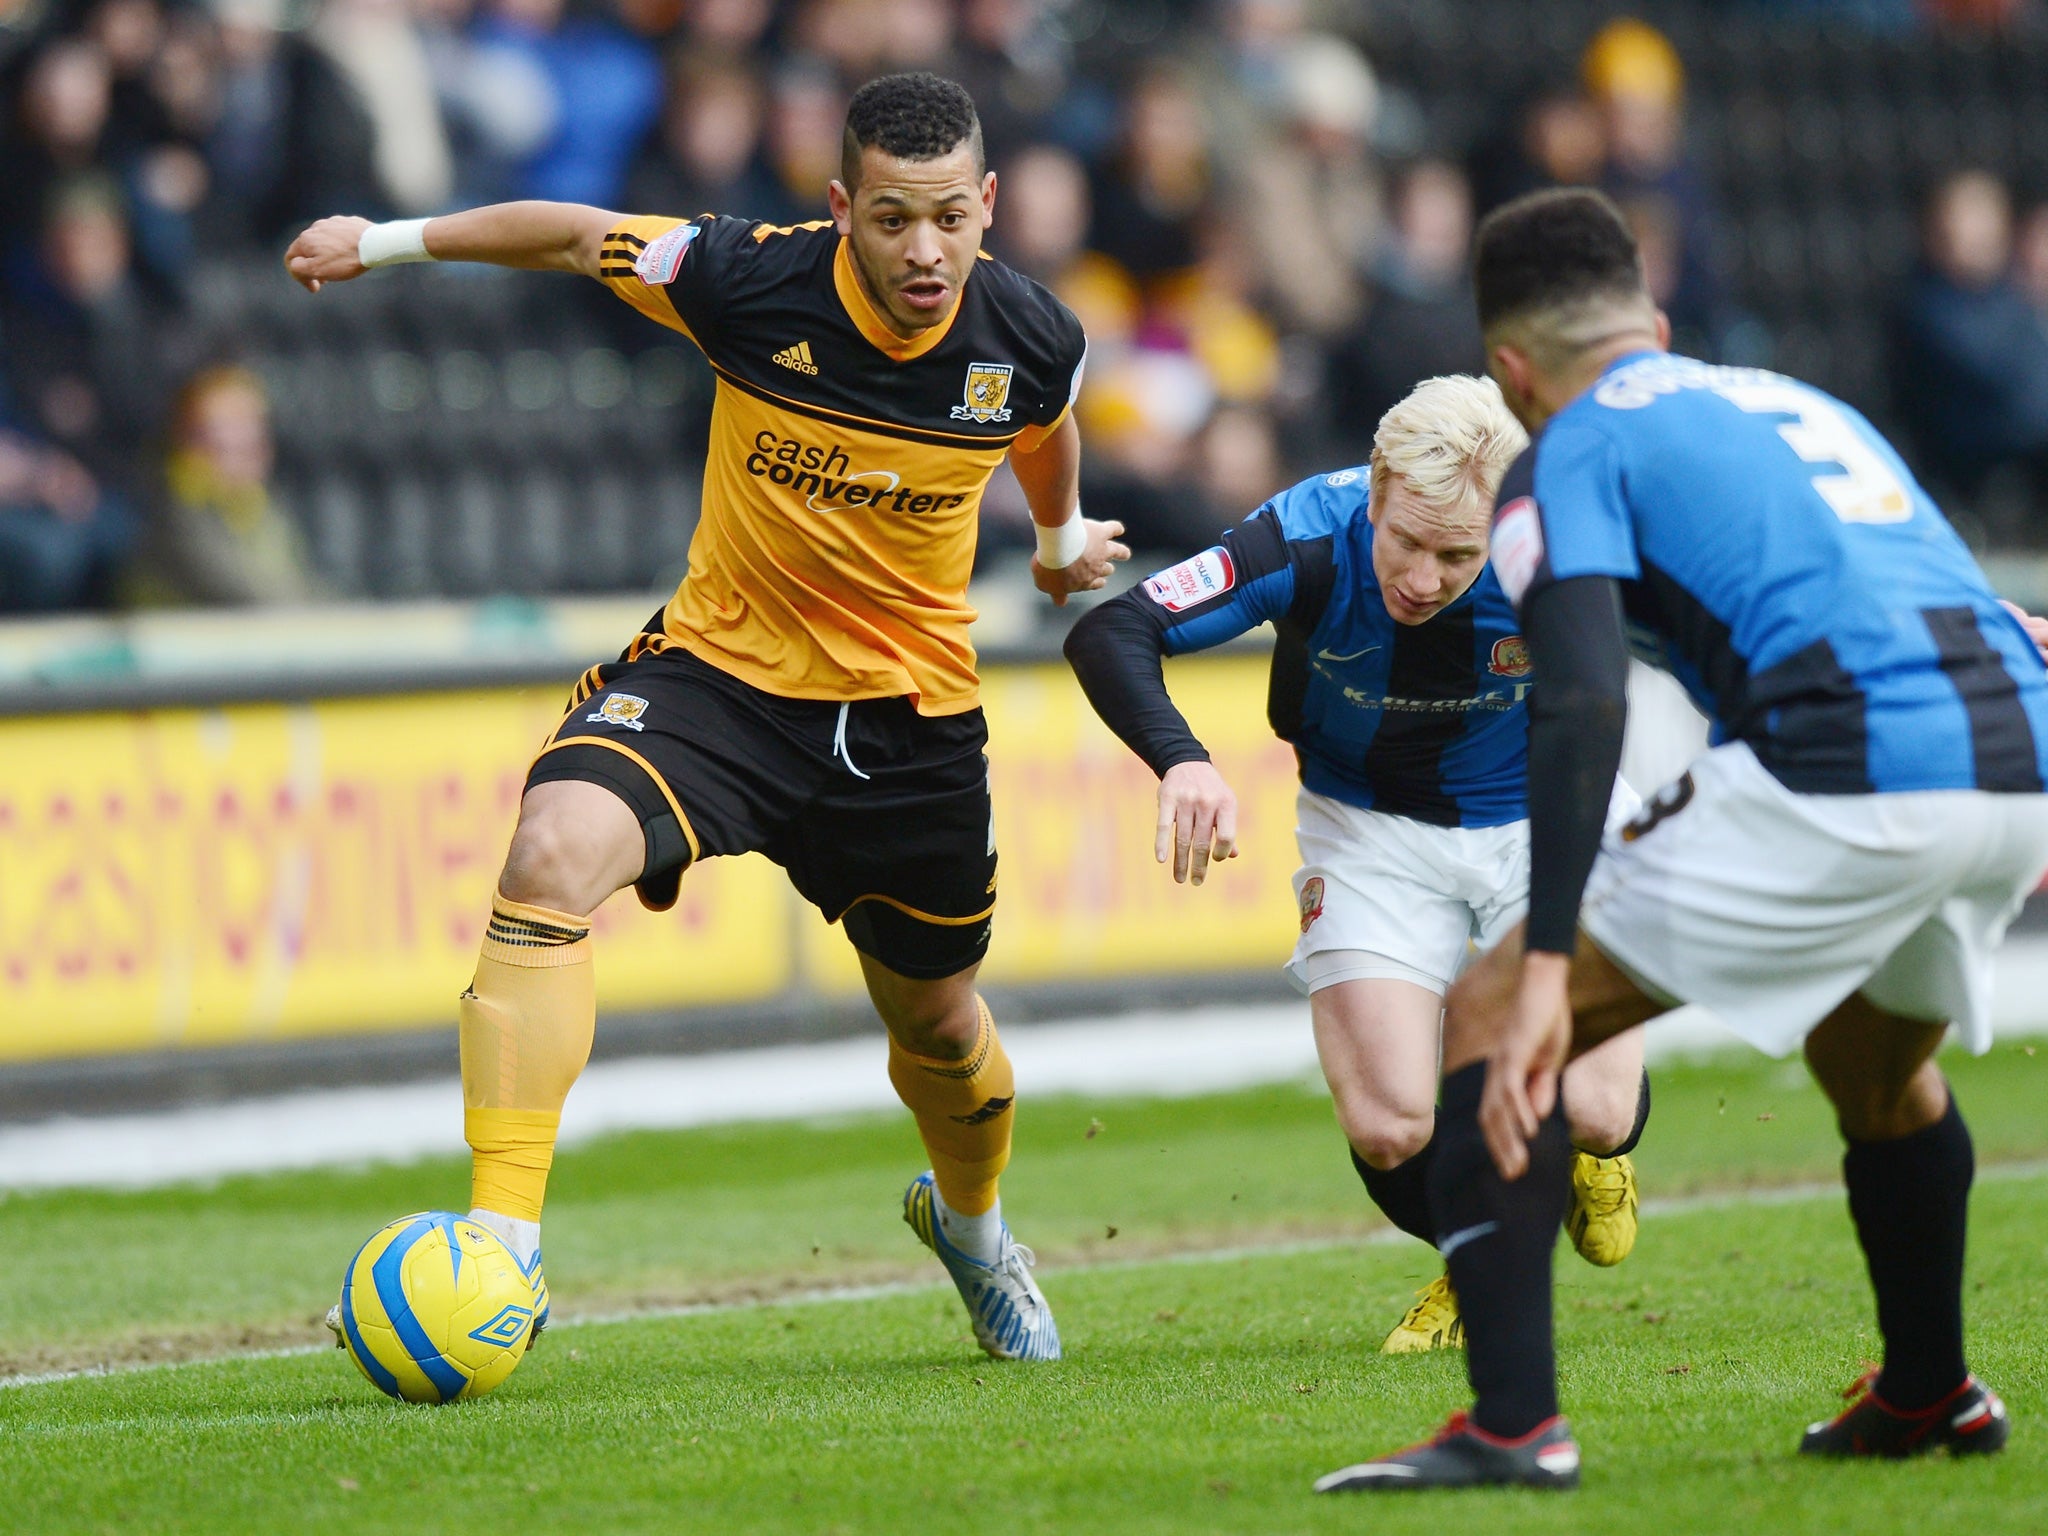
x=809, y=692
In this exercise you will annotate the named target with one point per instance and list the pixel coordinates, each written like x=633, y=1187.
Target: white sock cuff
x=979, y=1237
x=522, y=1237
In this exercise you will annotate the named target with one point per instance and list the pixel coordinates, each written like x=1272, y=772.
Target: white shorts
x=1419, y=901
x=1414, y=897
x=1769, y=908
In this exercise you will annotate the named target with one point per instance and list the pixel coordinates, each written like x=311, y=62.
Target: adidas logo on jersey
x=797, y=357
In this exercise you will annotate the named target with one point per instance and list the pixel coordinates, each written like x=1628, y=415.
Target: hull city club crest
x=987, y=394
x=1510, y=658
x=620, y=709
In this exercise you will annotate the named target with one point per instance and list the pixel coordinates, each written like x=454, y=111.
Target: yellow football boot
x=1432, y=1323
x=1602, y=1218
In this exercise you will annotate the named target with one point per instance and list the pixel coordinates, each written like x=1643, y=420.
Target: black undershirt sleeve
x=1116, y=651
x=1576, y=715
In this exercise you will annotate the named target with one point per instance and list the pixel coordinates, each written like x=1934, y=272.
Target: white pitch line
x=1159, y=1053
x=1156, y=1054
x=1656, y=1209
x=1162, y=1054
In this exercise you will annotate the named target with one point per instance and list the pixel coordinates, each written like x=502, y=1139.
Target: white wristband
x=391, y=245
x=1060, y=547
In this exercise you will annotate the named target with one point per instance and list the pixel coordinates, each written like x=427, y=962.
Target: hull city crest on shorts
x=620, y=709
x=987, y=394
x=1311, y=901
x=1510, y=658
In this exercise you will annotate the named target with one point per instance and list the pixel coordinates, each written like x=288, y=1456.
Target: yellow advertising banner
x=202, y=877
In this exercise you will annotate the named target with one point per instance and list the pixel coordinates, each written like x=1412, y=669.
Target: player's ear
x=1663, y=331
x=839, y=202
x=988, y=199
x=1513, y=372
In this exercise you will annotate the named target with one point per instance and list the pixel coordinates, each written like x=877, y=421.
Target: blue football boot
x=1010, y=1316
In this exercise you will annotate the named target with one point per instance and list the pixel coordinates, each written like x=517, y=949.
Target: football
x=434, y=1308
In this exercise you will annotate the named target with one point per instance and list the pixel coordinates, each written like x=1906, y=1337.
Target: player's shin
x=1910, y=1200
x=964, y=1112
x=1497, y=1239
x=526, y=1025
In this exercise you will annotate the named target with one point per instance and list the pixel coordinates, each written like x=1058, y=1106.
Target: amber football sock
x=526, y=1025
x=964, y=1113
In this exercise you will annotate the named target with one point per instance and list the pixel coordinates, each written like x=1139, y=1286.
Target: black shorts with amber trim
x=880, y=815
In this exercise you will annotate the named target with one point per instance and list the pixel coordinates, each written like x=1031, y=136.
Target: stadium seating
x=436, y=424
x=461, y=431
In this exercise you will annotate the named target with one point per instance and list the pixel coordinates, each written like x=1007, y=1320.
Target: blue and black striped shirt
x=1427, y=721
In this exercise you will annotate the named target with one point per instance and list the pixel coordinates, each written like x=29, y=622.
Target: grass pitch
x=1198, y=1393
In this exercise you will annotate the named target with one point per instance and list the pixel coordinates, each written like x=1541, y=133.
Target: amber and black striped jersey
x=846, y=467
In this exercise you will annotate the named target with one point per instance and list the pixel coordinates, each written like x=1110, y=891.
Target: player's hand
x=2036, y=627
x=1090, y=570
x=1197, y=821
x=1521, y=1075
x=326, y=253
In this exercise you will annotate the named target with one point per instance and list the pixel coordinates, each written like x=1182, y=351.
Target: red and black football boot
x=1970, y=1421
x=1465, y=1456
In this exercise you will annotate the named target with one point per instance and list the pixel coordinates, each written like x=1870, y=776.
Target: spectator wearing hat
x=1307, y=191
x=1634, y=78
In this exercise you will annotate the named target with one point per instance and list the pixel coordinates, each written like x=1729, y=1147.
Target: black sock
x=1402, y=1193
x=1497, y=1239
x=1635, y=1132
x=1910, y=1201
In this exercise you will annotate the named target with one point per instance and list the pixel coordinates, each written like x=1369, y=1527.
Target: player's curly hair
x=1554, y=252
x=918, y=116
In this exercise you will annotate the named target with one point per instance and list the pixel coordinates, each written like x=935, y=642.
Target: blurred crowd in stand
x=1263, y=239
x=1972, y=353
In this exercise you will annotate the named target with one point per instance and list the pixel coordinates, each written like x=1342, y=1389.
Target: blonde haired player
x=1400, y=679
x=809, y=692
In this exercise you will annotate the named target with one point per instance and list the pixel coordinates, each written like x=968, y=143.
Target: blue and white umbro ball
x=434, y=1308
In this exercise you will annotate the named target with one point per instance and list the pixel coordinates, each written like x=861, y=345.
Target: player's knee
x=940, y=1018
x=541, y=865
x=556, y=862
x=940, y=1022
x=1385, y=1138
x=1601, y=1116
x=1885, y=1106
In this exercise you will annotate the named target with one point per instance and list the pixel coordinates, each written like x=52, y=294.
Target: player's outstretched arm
x=1117, y=653
x=1075, y=553
x=536, y=236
